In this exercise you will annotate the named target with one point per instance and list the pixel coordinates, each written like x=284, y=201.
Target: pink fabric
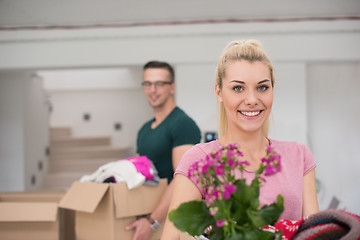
x=142, y=165
x=296, y=160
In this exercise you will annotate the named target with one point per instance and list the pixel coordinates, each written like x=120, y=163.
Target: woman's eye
x=263, y=87
x=237, y=88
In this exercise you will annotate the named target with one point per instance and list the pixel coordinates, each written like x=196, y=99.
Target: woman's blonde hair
x=248, y=50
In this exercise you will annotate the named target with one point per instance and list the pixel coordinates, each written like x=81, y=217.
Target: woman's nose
x=251, y=98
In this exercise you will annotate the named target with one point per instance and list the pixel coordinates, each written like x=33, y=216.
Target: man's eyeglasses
x=157, y=84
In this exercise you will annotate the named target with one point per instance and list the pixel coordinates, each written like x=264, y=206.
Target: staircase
x=71, y=158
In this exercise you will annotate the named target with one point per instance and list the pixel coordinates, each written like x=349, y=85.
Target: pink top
x=296, y=161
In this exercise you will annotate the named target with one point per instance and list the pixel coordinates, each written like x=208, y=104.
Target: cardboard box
x=35, y=216
x=104, y=209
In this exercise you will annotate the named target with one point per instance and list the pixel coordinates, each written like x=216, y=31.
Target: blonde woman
x=244, y=88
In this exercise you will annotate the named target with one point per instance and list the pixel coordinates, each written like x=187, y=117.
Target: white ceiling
x=35, y=13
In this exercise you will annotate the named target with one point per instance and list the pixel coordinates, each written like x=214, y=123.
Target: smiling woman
x=244, y=89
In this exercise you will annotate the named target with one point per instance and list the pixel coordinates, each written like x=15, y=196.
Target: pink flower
x=217, y=194
x=221, y=222
x=229, y=189
x=239, y=153
x=230, y=154
x=272, y=162
x=269, y=170
x=269, y=149
x=210, y=199
x=213, y=211
x=233, y=146
x=205, y=168
x=219, y=170
x=231, y=163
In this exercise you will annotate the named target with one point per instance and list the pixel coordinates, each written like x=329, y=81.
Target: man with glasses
x=163, y=139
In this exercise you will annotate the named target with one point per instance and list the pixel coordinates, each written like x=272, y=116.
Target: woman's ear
x=218, y=93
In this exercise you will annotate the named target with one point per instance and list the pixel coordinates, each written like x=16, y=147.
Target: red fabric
x=288, y=228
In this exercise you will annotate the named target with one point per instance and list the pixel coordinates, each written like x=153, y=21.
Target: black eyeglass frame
x=157, y=84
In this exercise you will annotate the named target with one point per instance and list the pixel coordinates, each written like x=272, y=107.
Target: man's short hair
x=164, y=65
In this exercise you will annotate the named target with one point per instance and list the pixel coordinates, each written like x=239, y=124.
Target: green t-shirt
x=177, y=129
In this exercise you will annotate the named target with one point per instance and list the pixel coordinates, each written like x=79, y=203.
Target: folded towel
x=329, y=224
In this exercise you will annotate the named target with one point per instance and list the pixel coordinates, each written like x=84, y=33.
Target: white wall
x=91, y=79
x=107, y=47
x=23, y=131
x=289, y=115
x=127, y=107
x=36, y=131
x=195, y=93
x=110, y=96
x=334, y=114
x=12, y=153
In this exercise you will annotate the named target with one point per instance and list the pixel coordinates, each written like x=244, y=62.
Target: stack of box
x=35, y=216
x=104, y=209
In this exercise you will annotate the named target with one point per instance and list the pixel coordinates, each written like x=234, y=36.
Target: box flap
x=28, y=212
x=84, y=196
x=137, y=201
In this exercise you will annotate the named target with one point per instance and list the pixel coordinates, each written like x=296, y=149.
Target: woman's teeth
x=250, y=114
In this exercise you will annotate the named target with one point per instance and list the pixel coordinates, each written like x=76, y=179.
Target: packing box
x=35, y=216
x=102, y=210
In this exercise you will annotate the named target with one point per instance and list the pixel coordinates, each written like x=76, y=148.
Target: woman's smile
x=250, y=113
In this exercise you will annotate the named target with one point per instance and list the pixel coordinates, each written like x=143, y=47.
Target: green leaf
x=238, y=236
x=246, y=198
x=192, y=217
x=244, y=193
x=216, y=233
x=259, y=235
x=268, y=214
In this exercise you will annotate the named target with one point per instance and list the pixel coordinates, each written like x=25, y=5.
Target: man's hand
x=142, y=227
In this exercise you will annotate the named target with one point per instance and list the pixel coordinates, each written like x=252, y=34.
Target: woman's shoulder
x=289, y=146
x=196, y=153
x=202, y=149
x=208, y=147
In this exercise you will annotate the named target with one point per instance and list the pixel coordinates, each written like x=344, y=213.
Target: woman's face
x=247, y=95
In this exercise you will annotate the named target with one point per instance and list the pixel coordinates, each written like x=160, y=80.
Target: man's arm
x=142, y=226
x=162, y=208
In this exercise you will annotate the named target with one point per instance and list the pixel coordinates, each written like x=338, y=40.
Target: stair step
x=79, y=142
x=77, y=165
x=63, y=181
x=90, y=153
x=60, y=132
